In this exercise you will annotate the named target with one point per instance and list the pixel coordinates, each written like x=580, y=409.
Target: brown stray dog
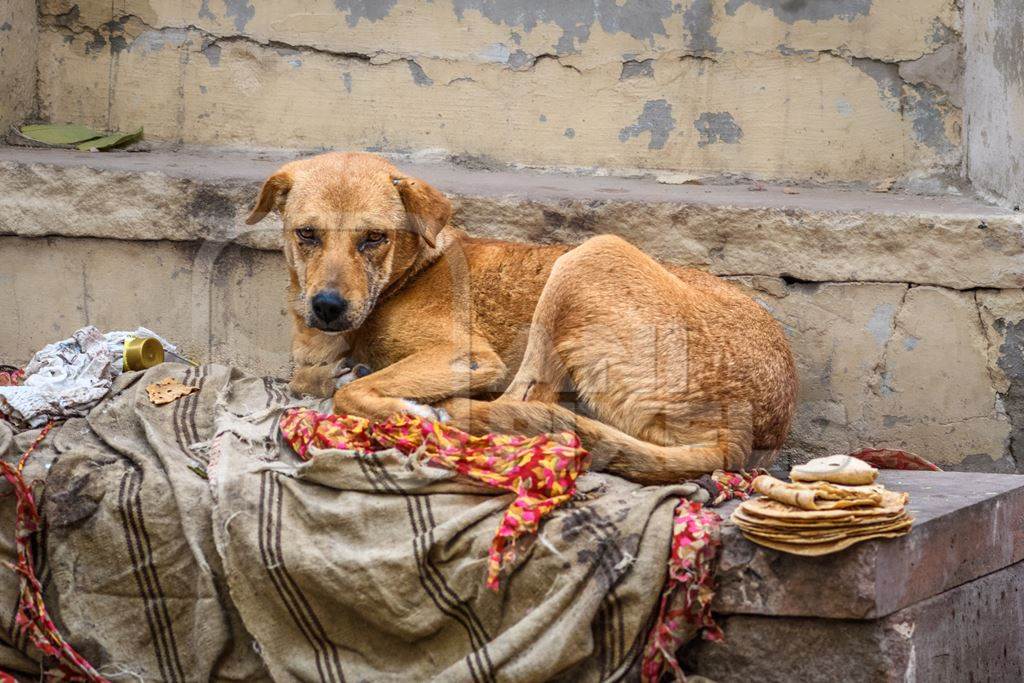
x=680, y=372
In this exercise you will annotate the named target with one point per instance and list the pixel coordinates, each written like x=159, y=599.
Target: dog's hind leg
x=541, y=371
x=615, y=322
x=611, y=450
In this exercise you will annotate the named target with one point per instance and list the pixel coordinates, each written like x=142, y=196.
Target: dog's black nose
x=328, y=306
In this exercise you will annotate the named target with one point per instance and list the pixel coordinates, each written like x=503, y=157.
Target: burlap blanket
x=188, y=542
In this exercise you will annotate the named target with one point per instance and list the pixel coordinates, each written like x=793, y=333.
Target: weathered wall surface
x=220, y=303
x=931, y=369
x=829, y=89
x=907, y=324
x=994, y=97
x=934, y=370
x=18, y=43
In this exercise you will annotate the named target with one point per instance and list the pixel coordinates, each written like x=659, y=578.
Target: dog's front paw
x=322, y=380
x=314, y=380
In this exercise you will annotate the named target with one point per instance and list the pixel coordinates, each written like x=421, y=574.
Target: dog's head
x=353, y=224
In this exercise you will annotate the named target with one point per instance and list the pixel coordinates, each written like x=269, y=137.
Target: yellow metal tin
x=141, y=353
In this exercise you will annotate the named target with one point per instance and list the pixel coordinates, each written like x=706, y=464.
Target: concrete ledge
x=970, y=633
x=943, y=603
x=818, y=235
x=966, y=526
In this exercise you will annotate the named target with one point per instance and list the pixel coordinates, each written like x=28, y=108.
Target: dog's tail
x=611, y=449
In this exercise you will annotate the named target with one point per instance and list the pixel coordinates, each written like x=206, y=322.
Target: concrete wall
x=219, y=303
x=924, y=368
x=907, y=318
x=18, y=43
x=822, y=89
x=931, y=369
x=994, y=37
x=906, y=315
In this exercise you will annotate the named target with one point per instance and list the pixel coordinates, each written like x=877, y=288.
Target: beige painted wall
x=18, y=44
x=715, y=86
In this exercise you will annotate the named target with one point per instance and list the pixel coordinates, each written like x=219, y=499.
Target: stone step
x=905, y=313
x=965, y=526
x=970, y=633
x=890, y=610
x=802, y=234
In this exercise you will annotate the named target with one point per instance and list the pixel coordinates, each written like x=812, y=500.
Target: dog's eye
x=306, y=234
x=373, y=238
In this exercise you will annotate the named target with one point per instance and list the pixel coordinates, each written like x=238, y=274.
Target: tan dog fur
x=680, y=372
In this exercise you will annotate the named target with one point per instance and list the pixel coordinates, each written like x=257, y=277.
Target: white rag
x=69, y=377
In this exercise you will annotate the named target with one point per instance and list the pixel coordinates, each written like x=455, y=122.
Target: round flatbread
x=809, y=522
x=892, y=503
x=856, y=526
x=818, y=549
x=837, y=469
x=741, y=516
x=818, y=495
x=823, y=536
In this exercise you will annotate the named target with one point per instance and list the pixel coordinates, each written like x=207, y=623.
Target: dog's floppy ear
x=428, y=209
x=272, y=196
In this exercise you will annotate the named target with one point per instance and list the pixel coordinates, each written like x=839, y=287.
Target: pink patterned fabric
x=32, y=616
x=11, y=377
x=685, y=606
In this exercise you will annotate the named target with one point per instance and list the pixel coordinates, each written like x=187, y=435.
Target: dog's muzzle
x=329, y=311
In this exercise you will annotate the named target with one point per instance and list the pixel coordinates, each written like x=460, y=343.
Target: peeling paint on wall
x=929, y=116
x=520, y=61
x=371, y=10
x=689, y=59
x=632, y=68
x=641, y=19
x=943, y=69
x=655, y=119
x=792, y=11
x=95, y=45
x=242, y=11
x=212, y=53
x=717, y=127
x=926, y=106
x=204, y=11
x=881, y=323
x=155, y=41
x=419, y=76
x=886, y=75
x=698, y=19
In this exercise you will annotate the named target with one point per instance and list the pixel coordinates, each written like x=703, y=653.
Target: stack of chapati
x=831, y=504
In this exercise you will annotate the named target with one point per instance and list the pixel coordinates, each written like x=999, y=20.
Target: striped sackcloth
x=188, y=542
